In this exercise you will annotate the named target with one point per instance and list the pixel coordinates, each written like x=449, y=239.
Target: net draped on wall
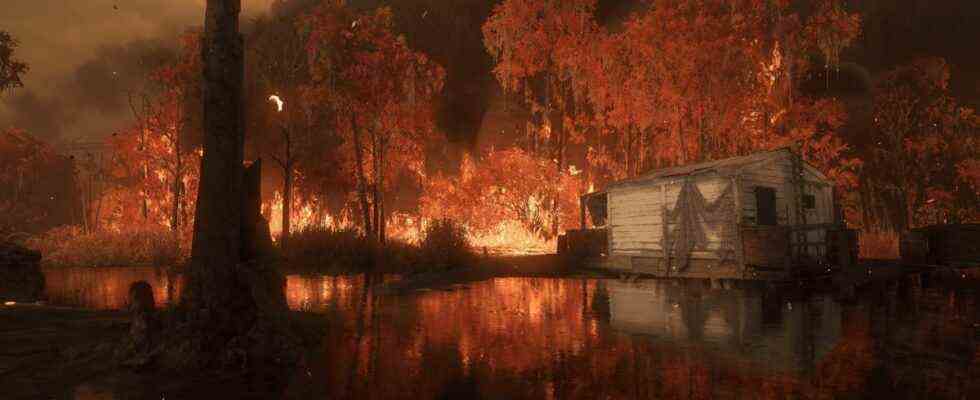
x=693, y=217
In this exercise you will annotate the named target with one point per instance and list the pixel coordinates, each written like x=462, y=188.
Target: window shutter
x=765, y=202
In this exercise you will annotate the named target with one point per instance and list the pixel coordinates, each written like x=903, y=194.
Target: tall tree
x=11, y=69
x=381, y=93
x=232, y=304
x=279, y=64
x=539, y=47
x=921, y=146
x=173, y=125
x=212, y=283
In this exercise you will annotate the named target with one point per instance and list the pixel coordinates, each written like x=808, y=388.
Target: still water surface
x=540, y=338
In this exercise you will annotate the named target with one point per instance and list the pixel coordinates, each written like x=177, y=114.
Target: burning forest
x=412, y=144
x=353, y=116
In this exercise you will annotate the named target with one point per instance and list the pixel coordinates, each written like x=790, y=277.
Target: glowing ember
x=278, y=100
x=9, y=303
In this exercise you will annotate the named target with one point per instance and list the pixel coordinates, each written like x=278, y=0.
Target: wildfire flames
x=508, y=237
x=304, y=215
x=593, y=106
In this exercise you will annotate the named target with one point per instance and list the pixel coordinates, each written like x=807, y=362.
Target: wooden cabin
x=768, y=215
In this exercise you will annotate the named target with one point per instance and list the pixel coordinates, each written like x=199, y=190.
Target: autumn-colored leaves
x=922, y=155
x=11, y=68
x=675, y=82
x=381, y=95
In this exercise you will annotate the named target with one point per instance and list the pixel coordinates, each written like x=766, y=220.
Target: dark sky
x=83, y=58
x=85, y=55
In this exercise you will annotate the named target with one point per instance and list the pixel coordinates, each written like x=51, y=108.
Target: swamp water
x=547, y=338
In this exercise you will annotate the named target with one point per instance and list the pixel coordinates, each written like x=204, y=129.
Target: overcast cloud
x=84, y=57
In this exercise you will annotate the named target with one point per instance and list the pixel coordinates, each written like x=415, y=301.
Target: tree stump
x=21, y=278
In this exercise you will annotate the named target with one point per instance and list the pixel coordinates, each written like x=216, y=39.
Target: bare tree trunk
x=361, y=179
x=287, y=203
x=558, y=125
x=286, y=163
x=178, y=189
x=379, y=199
x=216, y=250
x=629, y=152
x=376, y=186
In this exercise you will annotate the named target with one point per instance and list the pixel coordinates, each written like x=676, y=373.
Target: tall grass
x=72, y=247
x=323, y=249
x=878, y=245
x=327, y=249
x=313, y=249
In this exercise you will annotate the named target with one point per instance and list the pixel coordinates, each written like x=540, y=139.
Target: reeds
x=878, y=245
x=70, y=246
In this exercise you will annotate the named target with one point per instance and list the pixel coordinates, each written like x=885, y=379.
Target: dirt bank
x=67, y=353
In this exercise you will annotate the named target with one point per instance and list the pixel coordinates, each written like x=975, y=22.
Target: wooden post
x=799, y=217
x=581, y=205
x=609, y=227
x=665, y=241
x=835, y=202
x=737, y=203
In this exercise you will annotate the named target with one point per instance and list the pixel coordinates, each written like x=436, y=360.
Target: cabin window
x=809, y=202
x=765, y=205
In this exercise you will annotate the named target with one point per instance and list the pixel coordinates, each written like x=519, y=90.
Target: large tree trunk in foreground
x=216, y=251
x=233, y=309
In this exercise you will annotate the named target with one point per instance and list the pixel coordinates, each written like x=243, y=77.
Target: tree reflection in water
x=580, y=338
x=568, y=338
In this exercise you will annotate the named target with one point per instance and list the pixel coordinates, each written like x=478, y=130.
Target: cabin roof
x=725, y=165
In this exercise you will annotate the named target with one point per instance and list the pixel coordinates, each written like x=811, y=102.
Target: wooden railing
x=781, y=248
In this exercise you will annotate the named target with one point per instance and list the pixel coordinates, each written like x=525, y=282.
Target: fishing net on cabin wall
x=693, y=217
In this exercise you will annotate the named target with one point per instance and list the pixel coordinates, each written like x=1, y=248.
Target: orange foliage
x=34, y=182
x=152, y=170
x=922, y=152
x=380, y=92
x=506, y=200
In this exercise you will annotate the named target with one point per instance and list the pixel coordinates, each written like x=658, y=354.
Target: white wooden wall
x=635, y=222
x=778, y=174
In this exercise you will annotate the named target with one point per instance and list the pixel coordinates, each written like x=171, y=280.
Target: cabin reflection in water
x=547, y=338
x=764, y=327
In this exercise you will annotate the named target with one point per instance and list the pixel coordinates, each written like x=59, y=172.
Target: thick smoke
x=93, y=100
x=86, y=57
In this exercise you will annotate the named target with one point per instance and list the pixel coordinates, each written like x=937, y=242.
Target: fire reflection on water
x=584, y=338
x=107, y=288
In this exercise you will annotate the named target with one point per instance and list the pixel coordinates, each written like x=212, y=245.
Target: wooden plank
x=638, y=244
x=666, y=232
x=651, y=215
x=739, y=248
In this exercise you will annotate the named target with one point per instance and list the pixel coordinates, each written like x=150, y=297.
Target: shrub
x=70, y=246
x=324, y=248
x=444, y=246
x=878, y=245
